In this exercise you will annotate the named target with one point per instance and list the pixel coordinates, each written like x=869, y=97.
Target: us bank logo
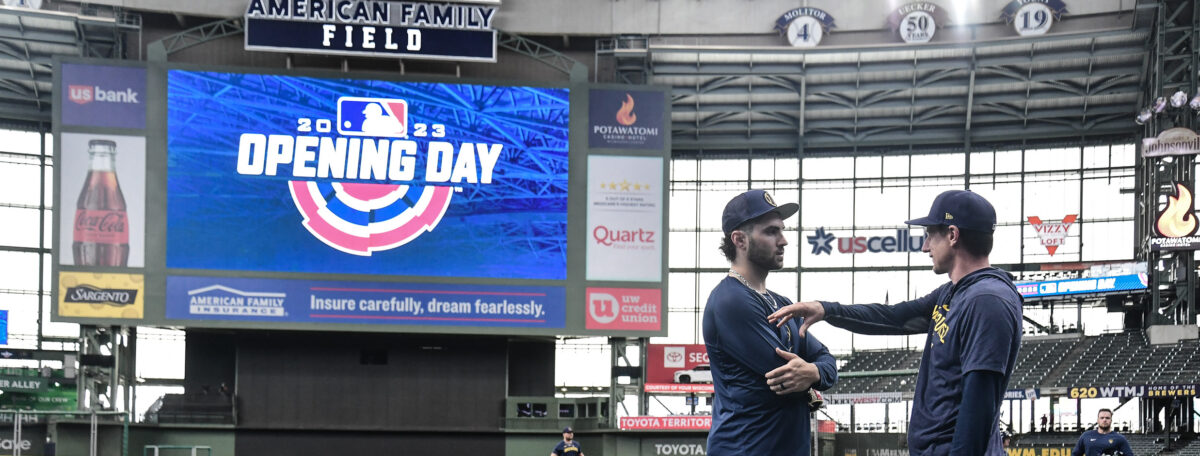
x=903, y=241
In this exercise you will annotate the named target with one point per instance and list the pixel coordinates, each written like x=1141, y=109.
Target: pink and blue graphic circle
x=364, y=218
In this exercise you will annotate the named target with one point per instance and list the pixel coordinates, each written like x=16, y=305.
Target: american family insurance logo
x=632, y=309
x=363, y=189
x=903, y=242
x=223, y=300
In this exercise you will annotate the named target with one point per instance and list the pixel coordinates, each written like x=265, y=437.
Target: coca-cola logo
x=88, y=294
x=606, y=236
x=80, y=94
x=101, y=221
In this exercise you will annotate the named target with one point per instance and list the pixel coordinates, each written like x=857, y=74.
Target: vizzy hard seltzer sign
x=804, y=27
x=1173, y=141
x=443, y=31
x=1052, y=234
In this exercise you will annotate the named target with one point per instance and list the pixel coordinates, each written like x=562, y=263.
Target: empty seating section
x=1037, y=358
x=1128, y=359
x=878, y=361
x=1114, y=359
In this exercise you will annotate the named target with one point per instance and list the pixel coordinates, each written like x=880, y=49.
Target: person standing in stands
x=973, y=326
x=1102, y=440
x=568, y=446
x=750, y=414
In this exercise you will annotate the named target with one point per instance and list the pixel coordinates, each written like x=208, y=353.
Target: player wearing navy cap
x=973, y=325
x=749, y=415
x=568, y=446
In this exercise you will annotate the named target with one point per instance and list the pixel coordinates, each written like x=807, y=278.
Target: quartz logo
x=902, y=242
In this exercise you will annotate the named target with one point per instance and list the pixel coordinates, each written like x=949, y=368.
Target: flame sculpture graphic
x=1177, y=219
x=625, y=115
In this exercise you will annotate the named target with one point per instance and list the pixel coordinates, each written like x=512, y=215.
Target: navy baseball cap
x=751, y=205
x=962, y=208
x=568, y=429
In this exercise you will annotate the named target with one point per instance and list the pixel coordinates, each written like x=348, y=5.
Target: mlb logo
x=81, y=94
x=382, y=117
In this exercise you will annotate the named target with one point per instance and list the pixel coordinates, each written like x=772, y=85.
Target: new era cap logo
x=949, y=217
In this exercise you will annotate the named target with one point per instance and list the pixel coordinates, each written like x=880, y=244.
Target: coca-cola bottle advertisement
x=102, y=200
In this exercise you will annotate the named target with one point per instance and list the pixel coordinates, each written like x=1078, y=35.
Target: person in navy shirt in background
x=568, y=446
x=1102, y=440
x=750, y=414
x=973, y=327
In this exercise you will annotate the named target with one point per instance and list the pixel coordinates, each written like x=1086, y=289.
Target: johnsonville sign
x=1174, y=141
x=461, y=30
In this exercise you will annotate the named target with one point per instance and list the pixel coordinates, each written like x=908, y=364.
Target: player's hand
x=810, y=311
x=795, y=376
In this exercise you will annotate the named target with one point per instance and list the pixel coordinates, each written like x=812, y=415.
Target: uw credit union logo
x=360, y=187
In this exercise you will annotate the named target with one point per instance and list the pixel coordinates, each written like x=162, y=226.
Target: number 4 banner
x=1033, y=17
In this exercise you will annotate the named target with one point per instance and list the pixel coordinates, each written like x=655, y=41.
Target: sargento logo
x=378, y=189
x=223, y=300
x=84, y=94
x=87, y=294
x=625, y=115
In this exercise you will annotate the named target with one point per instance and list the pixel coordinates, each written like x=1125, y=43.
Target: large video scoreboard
x=230, y=198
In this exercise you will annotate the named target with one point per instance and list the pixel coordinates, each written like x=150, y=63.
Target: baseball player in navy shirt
x=973, y=327
x=1102, y=440
x=750, y=415
x=568, y=446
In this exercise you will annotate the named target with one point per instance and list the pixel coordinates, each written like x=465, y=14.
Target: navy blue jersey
x=747, y=415
x=1093, y=443
x=568, y=449
x=972, y=325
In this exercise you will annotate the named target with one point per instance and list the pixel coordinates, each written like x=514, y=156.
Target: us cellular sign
x=443, y=31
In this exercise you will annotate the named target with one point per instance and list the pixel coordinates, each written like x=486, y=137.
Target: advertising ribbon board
x=264, y=301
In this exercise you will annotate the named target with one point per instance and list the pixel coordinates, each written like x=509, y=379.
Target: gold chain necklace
x=771, y=304
x=767, y=295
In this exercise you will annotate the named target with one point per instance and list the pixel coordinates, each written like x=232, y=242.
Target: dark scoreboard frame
x=155, y=272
